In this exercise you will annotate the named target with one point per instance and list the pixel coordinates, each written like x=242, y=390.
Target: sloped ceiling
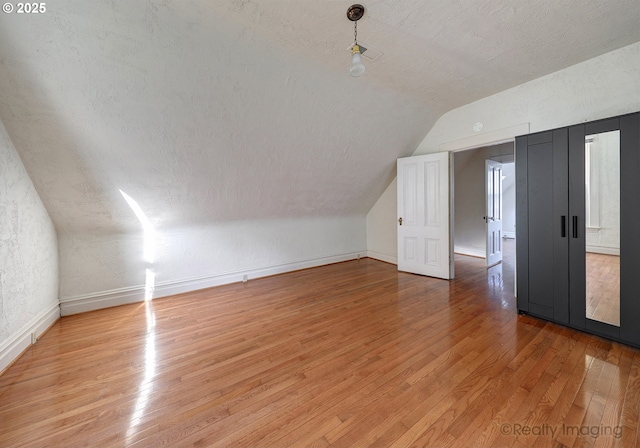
x=208, y=111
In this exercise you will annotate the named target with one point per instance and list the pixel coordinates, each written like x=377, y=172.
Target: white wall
x=469, y=197
x=509, y=200
x=28, y=258
x=110, y=269
x=601, y=87
x=381, y=227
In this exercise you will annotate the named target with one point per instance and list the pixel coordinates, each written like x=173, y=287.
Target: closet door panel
x=541, y=235
x=542, y=244
x=601, y=126
x=522, y=225
x=630, y=228
x=577, y=266
x=560, y=224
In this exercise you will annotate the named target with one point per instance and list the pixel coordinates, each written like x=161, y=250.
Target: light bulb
x=357, y=67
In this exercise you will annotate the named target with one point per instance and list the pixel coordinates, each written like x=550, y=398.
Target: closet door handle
x=563, y=226
x=575, y=227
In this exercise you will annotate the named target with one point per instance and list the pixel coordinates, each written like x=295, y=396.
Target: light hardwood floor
x=352, y=354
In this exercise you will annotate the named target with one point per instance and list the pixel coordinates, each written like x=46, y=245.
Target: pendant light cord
x=355, y=32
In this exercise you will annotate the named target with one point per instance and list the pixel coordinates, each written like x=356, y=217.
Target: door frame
x=492, y=138
x=491, y=200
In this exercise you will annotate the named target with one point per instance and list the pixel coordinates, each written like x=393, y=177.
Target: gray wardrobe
x=578, y=226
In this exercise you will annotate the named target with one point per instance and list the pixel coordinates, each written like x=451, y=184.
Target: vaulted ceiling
x=208, y=111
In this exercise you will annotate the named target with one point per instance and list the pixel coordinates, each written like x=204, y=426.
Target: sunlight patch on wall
x=149, y=244
x=149, y=233
x=149, y=284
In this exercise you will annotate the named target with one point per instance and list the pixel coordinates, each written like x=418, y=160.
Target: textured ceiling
x=222, y=110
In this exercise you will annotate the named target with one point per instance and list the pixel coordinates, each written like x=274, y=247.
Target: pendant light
x=355, y=13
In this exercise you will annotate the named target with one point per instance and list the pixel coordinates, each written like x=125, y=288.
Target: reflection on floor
x=603, y=280
x=603, y=288
x=500, y=277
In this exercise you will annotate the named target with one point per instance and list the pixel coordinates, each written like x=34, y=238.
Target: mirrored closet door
x=602, y=226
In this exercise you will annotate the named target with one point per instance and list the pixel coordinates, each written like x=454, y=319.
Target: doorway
x=469, y=206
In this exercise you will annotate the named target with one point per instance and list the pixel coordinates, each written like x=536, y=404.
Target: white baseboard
x=603, y=250
x=510, y=235
x=471, y=251
x=123, y=296
x=11, y=349
x=382, y=257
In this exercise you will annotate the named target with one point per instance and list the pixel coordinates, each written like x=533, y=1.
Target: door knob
x=400, y=220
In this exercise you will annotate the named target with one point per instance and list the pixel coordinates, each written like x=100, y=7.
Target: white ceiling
x=224, y=110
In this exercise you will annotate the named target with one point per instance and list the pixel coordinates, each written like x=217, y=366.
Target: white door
x=493, y=219
x=423, y=215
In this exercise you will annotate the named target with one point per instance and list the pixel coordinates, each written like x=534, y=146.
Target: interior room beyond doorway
x=470, y=201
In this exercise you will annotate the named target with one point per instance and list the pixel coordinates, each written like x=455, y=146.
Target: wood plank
x=352, y=354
